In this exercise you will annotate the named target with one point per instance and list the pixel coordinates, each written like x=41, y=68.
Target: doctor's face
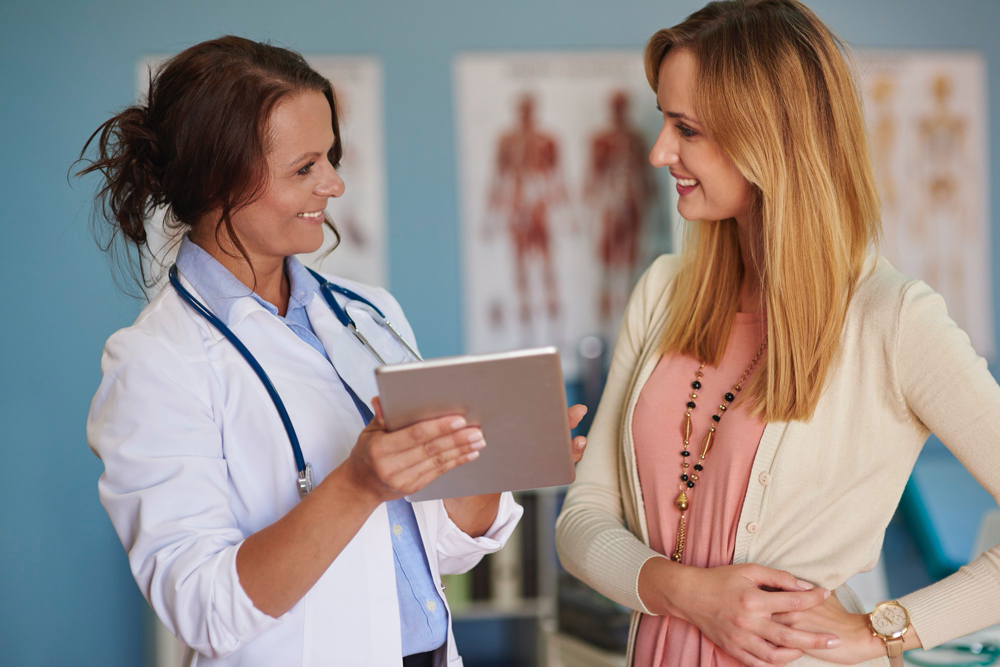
x=288, y=218
x=708, y=184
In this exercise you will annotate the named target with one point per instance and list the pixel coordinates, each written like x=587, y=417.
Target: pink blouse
x=716, y=500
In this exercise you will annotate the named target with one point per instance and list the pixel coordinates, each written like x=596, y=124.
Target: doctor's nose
x=332, y=185
x=665, y=150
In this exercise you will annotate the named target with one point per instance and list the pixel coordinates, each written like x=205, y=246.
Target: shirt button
x=431, y=605
x=397, y=530
x=753, y=527
x=764, y=478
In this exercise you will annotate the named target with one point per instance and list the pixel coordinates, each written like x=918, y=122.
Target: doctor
x=250, y=551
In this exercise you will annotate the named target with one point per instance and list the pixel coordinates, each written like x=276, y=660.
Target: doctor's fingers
x=441, y=450
x=429, y=470
x=415, y=477
x=394, y=461
x=428, y=430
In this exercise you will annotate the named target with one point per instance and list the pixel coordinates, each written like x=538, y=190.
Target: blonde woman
x=772, y=386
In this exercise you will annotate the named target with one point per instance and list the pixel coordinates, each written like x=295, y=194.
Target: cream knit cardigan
x=821, y=492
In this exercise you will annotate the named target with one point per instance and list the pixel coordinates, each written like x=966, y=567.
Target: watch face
x=889, y=620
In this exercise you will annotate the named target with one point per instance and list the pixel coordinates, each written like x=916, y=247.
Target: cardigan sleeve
x=592, y=539
x=949, y=388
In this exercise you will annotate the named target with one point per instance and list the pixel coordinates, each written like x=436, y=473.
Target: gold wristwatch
x=890, y=621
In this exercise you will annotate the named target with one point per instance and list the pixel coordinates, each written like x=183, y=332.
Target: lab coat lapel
x=352, y=360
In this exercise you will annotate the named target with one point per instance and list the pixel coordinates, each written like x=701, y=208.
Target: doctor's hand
x=576, y=414
x=732, y=605
x=397, y=463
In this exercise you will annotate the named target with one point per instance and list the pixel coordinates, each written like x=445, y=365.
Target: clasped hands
x=758, y=615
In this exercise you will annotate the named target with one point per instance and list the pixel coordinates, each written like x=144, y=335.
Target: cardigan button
x=765, y=479
x=753, y=527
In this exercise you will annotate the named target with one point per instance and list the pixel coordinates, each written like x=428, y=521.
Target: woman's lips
x=686, y=186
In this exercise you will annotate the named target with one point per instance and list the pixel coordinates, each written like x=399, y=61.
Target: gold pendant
x=682, y=501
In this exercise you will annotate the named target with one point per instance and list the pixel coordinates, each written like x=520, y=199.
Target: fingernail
x=479, y=445
x=476, y=436
x=832, y=643
x=826, y=594
x=582, y=444
x=458, y=423
x=472, y=457
x=804, y=585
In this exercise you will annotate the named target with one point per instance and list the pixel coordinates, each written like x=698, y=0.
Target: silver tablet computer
x=517, y=398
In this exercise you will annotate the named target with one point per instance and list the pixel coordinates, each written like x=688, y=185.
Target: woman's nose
x=664, y=152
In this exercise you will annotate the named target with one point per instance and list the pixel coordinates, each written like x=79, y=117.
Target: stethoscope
x=327, y=289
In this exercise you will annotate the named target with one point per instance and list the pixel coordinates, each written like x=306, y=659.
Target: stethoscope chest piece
x=306, y=480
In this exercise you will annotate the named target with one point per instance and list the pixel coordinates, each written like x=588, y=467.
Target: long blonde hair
x=774, y=92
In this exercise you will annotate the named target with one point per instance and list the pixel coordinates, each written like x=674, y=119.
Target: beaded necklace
x=688, y=479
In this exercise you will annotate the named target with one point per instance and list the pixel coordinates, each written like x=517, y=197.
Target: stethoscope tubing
x=327, y=289
x=305, y=479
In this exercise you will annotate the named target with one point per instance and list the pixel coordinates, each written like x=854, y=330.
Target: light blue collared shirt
x=422, y=615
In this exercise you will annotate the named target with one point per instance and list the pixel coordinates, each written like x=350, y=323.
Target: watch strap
x=894, y=648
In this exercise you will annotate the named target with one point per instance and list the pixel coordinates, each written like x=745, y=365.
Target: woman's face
x=709, y=185
x=288, y=218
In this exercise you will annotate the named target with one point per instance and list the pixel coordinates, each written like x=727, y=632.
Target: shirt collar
x=221, y=290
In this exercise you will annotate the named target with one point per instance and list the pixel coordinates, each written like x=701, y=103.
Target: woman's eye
x=685, y=131
x=305, y=170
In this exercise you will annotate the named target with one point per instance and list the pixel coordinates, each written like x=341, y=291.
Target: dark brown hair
x=196, y=144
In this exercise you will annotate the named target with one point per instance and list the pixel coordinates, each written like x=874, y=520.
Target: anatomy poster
x=926, y=114
x=359, y=214
x=560, y=209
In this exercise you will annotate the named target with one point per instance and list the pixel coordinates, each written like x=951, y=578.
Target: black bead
x=690, y=485
x=684, y=478
x=691, y=405
x=698, y=467
x=696, y=385
x=730, y=397
x=685, y=453
x=716, y=417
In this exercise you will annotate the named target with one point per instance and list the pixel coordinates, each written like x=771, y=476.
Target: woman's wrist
x=869, y=647
x=660, y=584
x=874, y=647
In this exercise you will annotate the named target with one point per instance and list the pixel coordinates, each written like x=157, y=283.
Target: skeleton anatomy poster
x=359, y=214
x=926, y=115
x=560, y=208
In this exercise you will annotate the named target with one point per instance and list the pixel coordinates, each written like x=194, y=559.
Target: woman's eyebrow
x=680, y=116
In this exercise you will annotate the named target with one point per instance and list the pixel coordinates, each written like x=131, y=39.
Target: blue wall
x=66, y=596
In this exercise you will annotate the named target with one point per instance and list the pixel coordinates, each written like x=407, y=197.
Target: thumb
x=779, y=580
x=378, y=421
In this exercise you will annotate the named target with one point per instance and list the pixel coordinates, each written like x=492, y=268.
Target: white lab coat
x=196, y=459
